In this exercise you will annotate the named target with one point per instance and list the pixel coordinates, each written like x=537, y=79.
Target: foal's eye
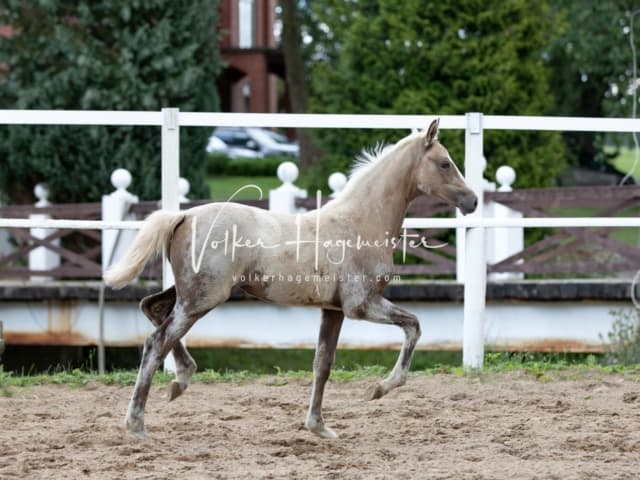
x=445, y=165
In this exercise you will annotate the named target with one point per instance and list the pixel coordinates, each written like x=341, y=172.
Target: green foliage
x=624, y=160
x=416, y=57
x=217, y=163
x=591, y=54
x=623, y=346
x=108, y=55
x=220, y=164
x=591, y=60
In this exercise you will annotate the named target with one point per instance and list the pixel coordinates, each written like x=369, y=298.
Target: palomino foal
x=341, y=256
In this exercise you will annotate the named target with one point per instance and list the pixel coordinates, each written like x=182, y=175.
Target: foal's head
x=437, y=175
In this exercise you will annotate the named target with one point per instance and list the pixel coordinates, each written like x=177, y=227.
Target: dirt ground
x=498, y=426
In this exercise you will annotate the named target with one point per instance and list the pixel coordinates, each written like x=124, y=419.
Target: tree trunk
x=296, y=82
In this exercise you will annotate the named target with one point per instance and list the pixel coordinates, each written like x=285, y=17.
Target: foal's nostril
x=467, y=203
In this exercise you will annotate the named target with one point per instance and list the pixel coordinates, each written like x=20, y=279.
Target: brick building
x=253, y=64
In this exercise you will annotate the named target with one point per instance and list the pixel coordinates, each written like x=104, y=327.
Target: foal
x=343, y=251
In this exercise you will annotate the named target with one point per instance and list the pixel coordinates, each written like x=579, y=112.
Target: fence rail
x=338, y=121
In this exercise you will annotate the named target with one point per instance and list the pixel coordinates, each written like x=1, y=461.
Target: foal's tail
x=154, y=236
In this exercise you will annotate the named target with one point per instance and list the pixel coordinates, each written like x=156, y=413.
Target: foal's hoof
x=375, y=392
x=136, y=428
x=141, y=435
x=324, y=432
x=175, y=389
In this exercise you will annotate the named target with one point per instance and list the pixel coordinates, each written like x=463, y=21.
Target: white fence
x=170, y=120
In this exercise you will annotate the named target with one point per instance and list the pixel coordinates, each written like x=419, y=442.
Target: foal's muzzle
x=467, y=202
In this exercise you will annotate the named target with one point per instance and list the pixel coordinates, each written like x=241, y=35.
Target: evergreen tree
x=428, y=57
x=591, y=61
x=103, y=55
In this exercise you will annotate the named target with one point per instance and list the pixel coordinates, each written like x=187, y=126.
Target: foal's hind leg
x=157, y=308
x=325, y=355
x=381, y=310
x=156, y=347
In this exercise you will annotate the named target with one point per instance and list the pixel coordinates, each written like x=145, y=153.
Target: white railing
x=474, y=124
x=215, y=119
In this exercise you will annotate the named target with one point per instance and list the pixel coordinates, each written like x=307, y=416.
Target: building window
x=246, y=9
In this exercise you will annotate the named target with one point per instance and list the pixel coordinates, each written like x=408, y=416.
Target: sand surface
x=498, y=426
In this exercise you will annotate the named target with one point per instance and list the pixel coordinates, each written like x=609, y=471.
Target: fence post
x=41, y=258
x=170, y=197
x=506, y=241
x=283, y=198
x=489, y=211
x=461, y=234
x=475, y=261
x=115, y=207
x=337, y=182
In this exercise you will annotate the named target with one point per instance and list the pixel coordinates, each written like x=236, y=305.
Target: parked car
x=219, y=146
x=260, y=141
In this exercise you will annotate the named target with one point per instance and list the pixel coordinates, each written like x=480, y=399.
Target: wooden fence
x=575, y=251
x=79, y=250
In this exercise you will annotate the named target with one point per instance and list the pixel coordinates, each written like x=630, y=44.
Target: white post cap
x=505, y=176
x=121, y=178
x=337, y=182
x=183, y=189
x=41, y=191
x=287, y=172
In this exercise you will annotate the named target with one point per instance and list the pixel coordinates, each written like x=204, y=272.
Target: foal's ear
x=432, y=133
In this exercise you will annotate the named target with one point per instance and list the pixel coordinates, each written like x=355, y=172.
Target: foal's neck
x=382, y=195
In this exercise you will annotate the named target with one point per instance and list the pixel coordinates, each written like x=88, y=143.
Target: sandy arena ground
x=499, y=426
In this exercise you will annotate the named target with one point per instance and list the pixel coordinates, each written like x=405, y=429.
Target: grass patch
x=74, y=378
x=222, y=187
x=31, y=361
x=79, y=378
x=273, y=361
x=541, y=367
x=547, y=367
x=624, y=161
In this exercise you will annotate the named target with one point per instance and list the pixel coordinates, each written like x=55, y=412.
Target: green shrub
x=220, y=164
x=107, y=55
x=217, y=163
x=624, y=338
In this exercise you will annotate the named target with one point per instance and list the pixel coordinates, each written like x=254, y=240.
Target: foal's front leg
x=381, y=310
x=325, y=355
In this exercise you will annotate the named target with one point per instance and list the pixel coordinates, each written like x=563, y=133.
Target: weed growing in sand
x=623, y=345
x=213, y=376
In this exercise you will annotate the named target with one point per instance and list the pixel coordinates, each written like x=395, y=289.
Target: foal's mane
x=370, y=157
